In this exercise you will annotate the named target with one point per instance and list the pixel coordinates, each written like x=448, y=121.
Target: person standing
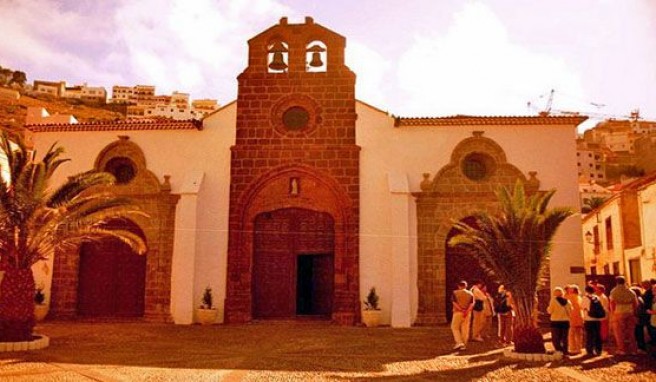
x=648, y=299
x=478, y=311
x=652, y=316
x=506, y=315
x=462, y=301
x=560, y=309
x=591, y=305
x=600, y=292
x=623, y=303
x=488, y=310
x=575, y=338
x=641, y=322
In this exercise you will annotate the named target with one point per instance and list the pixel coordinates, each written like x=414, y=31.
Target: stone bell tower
x=294, y=196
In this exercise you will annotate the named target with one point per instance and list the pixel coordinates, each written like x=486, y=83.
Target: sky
x=412, y=58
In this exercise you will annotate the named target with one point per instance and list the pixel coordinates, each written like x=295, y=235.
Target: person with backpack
x=641, y=321
x=600, y=291
x=506, y=315
x=478, y=313
x=594, y=312
x=559, y=308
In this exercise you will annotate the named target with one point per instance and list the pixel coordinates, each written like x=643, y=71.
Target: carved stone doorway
x=293, y=268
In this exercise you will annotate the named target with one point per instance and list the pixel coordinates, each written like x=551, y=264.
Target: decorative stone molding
x=319, y=193
x=157, y=201
x=453, y=196
x=304, y=102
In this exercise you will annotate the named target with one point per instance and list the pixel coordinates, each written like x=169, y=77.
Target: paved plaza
x=288, y=351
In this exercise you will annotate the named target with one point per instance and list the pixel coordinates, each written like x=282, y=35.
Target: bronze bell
x=278, y=62
x=316, y=56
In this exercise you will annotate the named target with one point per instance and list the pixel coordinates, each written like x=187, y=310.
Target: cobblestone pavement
x=288, y=351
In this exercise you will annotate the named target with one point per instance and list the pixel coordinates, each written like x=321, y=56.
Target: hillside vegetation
x=13, y=112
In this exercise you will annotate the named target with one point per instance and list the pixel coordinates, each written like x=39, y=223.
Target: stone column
x=184, y=251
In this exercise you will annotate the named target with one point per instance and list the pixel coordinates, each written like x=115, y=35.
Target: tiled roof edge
x=191, y=124
x=460, y=120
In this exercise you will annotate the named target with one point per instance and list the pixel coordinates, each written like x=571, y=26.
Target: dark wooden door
x=282, y=236
x=322, y=285
x=111, y=279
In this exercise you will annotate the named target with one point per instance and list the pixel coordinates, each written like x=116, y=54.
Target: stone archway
x=478, y=167
x=127, y=162
x=311, y=197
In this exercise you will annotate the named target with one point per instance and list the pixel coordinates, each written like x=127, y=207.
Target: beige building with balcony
x=619, y=236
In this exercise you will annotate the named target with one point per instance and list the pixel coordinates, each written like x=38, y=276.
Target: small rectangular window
x=609, y=233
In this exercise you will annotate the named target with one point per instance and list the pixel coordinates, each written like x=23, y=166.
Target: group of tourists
x=473, y=310
x=629, y=313
x=578, y=320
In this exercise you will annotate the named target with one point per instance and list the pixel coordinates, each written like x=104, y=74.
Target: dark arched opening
x=463, y=265
x=112, y=276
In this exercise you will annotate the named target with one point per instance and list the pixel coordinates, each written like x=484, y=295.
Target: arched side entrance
x=112, y=277
x=296, y=229
x=293, y=264
x=75, y=270
x=468, y=184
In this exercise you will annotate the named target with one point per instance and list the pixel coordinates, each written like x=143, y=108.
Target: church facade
x=297, y=198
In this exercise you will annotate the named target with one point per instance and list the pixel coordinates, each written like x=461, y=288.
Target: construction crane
x=547, y=107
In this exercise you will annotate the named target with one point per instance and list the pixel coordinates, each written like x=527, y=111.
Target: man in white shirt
x=462, y=301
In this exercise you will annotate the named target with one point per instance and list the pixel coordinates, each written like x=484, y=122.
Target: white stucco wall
x=549, y=150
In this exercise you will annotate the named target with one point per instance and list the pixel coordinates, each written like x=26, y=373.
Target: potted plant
x=40, y=306
x=206, y=313
x=371, y=311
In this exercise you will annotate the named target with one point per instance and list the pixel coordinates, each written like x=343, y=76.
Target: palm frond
x=36, y=222
x=514, y=244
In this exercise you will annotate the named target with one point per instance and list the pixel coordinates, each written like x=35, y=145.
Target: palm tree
x=37, y=221
x=513, y=247
x=591, y=204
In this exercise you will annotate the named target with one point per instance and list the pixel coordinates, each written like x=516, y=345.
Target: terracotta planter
x=371, y=318
x=206, y=316
x=40, y=311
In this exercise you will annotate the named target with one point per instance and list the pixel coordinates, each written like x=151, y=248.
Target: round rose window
x=123, y=169
x=477, y=166
x=295, y=118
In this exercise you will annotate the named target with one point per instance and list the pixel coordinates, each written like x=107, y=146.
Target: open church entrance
x=293, y=268
x=112, y=277
x=461, y=265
